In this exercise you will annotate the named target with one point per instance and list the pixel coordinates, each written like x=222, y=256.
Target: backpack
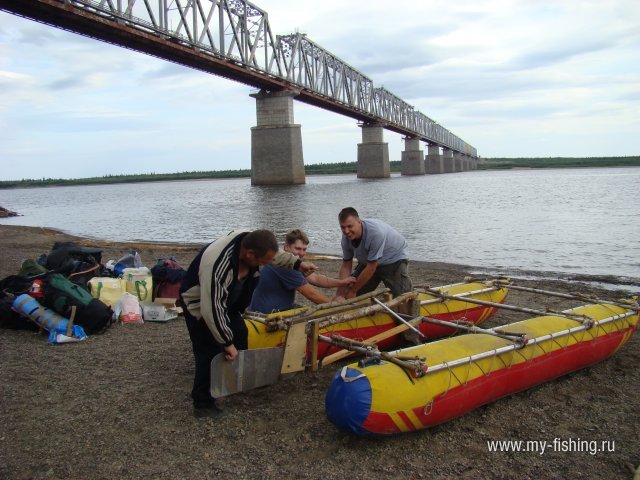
x=78, y=264
x=11, y=319
x=11, y=287
x=17, y=284
x=167, y=277
x=61, y=294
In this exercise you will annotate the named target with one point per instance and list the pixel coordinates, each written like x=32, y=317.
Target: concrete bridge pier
x=433, y=162
x=448, y=160
x=276, y=142
x=459, y=161
x=412, y=159
x=467, y=162
x=373, y=153
x=464, y=165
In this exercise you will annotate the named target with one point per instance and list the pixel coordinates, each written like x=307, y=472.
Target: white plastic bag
x=128, y=310
x=130, y=260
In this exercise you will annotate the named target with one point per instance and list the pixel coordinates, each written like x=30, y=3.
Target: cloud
x=13, y=80
x=511, y=77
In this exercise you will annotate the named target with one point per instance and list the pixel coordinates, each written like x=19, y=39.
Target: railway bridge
x=233, y=39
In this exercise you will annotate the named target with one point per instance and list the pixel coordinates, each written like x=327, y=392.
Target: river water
x=574, y=221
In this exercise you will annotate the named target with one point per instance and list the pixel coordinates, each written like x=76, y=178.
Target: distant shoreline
x=327, y=169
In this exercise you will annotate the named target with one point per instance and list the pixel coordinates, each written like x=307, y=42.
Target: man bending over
x=381, y=253
x=215, y=292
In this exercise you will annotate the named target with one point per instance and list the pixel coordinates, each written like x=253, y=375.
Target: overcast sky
x=512, y=78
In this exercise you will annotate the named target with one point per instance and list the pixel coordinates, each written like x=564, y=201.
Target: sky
x=513, y=78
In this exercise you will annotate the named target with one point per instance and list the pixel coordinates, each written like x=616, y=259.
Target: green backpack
x=61, y=295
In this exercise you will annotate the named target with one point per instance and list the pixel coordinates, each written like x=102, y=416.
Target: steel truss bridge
x=233, y=39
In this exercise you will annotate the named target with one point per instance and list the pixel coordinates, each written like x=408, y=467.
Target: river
x=573, y=221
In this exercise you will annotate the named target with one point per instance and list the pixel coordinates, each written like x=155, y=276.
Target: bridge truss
x=233, y=39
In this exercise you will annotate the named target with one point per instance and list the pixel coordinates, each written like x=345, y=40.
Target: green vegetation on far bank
x=556, y=162
x=326, y=169
x=106, y=179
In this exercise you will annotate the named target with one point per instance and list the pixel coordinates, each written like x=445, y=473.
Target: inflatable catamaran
x=366, y=317
x=290, y=341
x=389, y=392
x=422, y=386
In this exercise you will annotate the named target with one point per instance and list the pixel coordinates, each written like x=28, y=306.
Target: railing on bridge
x=239, y=32
x=310, y=66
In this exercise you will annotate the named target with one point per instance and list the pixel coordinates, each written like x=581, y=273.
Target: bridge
x=233, y=39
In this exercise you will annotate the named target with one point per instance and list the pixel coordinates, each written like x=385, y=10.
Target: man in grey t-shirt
x=381, y=253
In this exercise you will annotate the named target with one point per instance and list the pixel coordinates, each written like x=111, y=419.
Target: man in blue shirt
x=277, y=287
x=381, y=253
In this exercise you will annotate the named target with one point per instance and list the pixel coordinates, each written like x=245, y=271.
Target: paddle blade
x=295, y=350
x=252, y=369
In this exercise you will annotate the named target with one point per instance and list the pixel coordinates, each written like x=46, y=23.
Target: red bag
x=167, y=277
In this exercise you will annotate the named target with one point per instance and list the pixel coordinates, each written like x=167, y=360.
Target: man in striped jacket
x=215, y=292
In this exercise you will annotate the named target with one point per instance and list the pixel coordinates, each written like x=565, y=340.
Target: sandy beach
x=118, y=405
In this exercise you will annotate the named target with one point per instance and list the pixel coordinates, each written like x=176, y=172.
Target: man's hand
x=347, y=282
x=365, y=275
x=307, y=268
x=230, y=352
x=345, y=272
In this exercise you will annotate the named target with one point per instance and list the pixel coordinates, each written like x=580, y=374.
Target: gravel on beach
x=118, y=405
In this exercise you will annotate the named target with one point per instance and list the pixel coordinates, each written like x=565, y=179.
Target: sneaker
x=211, y=411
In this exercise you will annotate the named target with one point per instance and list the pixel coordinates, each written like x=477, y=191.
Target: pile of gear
x=71, y=294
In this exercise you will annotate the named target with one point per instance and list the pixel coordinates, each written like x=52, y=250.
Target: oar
x=251, y=369
x=395, y=315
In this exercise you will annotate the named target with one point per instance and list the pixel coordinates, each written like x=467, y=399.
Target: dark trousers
x=205, y=348
x=395, y=277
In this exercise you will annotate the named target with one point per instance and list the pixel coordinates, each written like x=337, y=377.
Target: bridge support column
x=448, y=160
x=433, y=162
x=412, y=159
x=276, y=142
x=457, y=161
x=373, y=153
